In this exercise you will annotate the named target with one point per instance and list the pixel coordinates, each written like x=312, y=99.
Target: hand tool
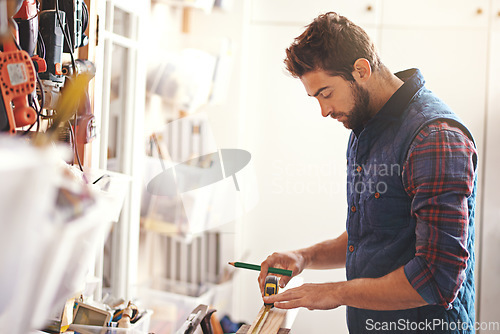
x=270, y=288
x=200, y=316
x=206, y=325
x=193, y=320
x=271, y=270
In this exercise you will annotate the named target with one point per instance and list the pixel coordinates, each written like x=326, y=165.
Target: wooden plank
x=272, y=324
x=244, y=330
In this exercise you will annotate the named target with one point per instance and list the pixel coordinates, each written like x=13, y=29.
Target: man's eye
x=325, y=96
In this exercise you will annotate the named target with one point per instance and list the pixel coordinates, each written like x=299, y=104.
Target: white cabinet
x=429, y=13
x=495, y=19
x=453, y=63
x=300, y=12
x=447, y=41
x=489, y=289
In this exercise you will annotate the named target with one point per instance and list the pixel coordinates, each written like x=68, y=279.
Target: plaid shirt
x=439, y=176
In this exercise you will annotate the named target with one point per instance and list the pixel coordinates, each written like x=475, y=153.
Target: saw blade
x=262, y=319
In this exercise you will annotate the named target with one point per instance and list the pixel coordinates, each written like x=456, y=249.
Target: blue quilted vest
x=380, y=227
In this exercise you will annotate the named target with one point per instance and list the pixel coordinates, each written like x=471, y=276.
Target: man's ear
x=362, y=70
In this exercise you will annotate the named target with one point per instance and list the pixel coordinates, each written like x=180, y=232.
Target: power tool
x=17, y=82
x=35, y=43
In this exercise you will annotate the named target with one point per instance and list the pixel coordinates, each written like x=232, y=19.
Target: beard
x=360, y=114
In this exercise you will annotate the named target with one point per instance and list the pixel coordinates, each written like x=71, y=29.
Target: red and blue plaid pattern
x=439, y=176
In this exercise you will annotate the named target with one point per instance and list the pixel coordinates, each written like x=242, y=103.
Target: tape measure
x=271, y=287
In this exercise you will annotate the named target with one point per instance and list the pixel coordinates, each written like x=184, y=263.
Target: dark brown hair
x=330, y=43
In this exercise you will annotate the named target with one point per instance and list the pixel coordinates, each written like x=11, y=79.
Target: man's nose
x=325, y=109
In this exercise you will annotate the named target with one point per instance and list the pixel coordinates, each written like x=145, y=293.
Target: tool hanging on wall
x=35, y=43
x=76, y=17
x=19, y=106
x=84, y=125
x=17, y=81
x=27, y=26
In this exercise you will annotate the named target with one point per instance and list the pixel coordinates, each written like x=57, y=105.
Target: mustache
x=338, y=114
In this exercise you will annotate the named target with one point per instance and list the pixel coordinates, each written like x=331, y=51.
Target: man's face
x=338, y=98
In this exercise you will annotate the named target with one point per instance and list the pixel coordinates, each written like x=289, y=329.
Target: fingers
x=284, y=281
x=262, y=276
x=286, y=300
x=286, y=296
x=278, y=260
x=273, y=260
x=289, y=305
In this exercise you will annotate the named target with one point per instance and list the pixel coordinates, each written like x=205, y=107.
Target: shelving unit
x=119, y=90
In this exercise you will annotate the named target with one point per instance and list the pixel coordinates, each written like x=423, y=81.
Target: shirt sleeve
x=439, y=177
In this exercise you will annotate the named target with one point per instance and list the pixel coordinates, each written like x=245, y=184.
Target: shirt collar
x=394, y=107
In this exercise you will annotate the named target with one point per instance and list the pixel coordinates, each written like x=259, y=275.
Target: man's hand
x=328, y=254
x=312, y=296
x=293, y=261
x=386, y=293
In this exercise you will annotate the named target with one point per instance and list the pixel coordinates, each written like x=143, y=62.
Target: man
x=408, y=248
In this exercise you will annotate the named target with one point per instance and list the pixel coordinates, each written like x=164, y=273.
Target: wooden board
x=272, y=324
x=244, y=330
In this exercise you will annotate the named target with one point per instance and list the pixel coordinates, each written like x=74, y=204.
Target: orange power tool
x=17, y=81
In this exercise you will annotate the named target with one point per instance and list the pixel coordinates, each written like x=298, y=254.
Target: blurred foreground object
x=53, y=222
